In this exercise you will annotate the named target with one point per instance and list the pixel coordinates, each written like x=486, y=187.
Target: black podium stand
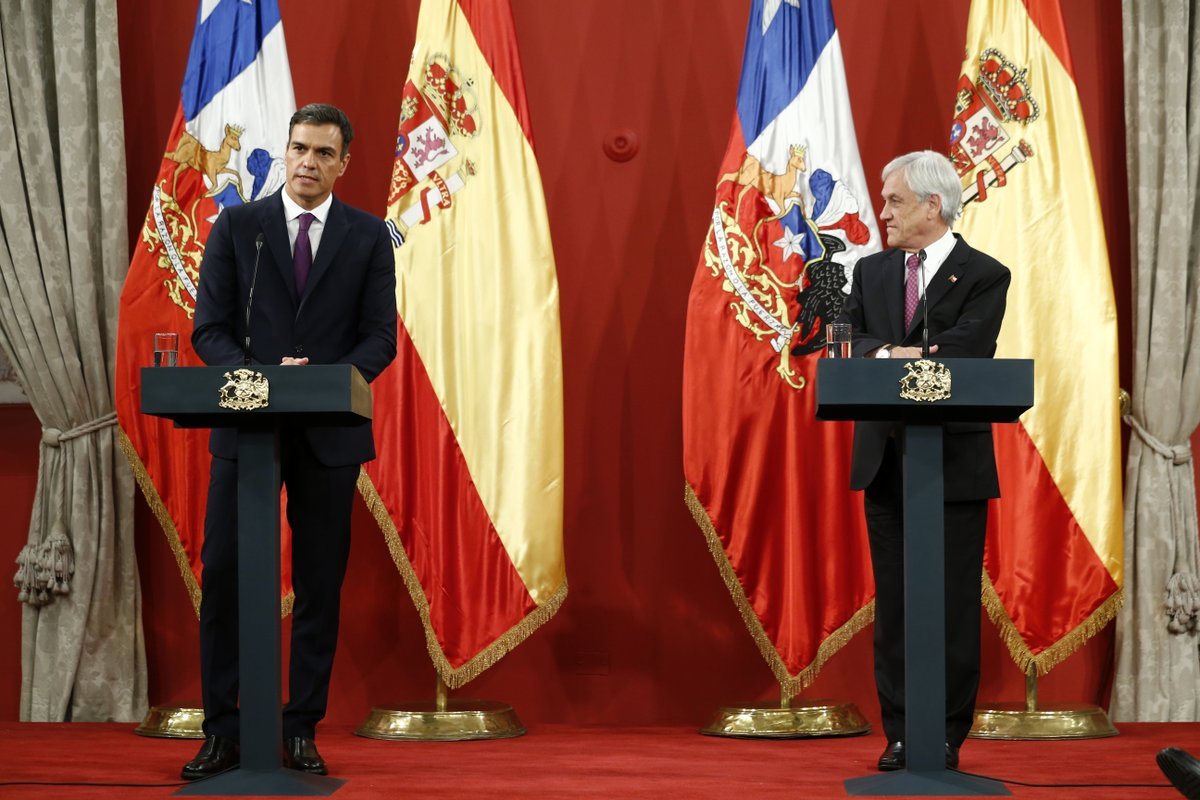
x=224, y=397
x=981, y=390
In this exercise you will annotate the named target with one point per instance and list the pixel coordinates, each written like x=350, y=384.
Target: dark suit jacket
x=347, y=314
x=966, y=306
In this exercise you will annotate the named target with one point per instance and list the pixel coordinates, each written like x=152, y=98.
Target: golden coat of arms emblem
x=244, y=390
x=925, y=381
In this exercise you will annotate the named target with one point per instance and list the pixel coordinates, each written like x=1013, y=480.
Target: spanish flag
x=1054, y=552
x=468, y=486
x=225, y=147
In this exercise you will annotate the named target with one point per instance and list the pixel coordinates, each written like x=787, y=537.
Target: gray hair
x=928, y=173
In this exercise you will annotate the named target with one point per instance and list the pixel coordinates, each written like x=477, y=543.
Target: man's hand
x=906, y=352
x=298, y=362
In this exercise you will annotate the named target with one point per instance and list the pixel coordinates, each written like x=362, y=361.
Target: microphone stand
x=924, y=308
x=258, y=243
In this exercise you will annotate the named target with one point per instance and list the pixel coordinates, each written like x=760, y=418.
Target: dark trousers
x=965, y=531
x=318, y=511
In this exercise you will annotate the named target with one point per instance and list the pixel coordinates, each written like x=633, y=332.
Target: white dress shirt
x=292, y=211
x=935, y=255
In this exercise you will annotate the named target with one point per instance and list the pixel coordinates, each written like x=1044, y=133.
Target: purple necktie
x=302, y=254
x=912, y=289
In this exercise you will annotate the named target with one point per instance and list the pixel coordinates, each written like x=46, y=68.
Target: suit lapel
x=275, y=229
x=893, y=292
x=949, y=273
x=331, y=240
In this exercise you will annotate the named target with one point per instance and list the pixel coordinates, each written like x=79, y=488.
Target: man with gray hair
x=965, y=291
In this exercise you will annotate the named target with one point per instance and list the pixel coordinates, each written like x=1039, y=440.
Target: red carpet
x=555, y=761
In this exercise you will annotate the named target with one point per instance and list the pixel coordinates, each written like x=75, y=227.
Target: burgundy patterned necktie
x=302, y=254
x=912, y=289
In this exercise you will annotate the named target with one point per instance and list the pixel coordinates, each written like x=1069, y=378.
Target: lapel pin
x=954, y=279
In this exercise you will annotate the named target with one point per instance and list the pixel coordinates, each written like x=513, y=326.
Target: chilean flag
x=766, y=482
x=226, y=147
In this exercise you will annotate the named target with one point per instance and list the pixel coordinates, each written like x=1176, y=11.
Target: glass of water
x=166, y=349
x=837, y=340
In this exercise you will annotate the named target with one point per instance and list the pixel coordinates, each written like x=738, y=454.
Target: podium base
x=940, y=783
x=280, y=782
x=455, y=721
x=799, y=720
x=172, y=722
x=1016, y=722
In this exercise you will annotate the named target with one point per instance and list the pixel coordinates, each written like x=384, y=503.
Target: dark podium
x=980, y=390
x=258, y=401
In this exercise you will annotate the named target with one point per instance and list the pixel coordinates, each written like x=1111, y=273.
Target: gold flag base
x=455, y=721
x=1015, y=722
x=1019, y=722
x=172, y=722
x=442, y=720
x=788, y=720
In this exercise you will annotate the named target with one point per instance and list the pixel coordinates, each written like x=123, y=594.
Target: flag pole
x=442, y=719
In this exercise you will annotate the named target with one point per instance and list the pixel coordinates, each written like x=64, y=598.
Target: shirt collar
x=292, y=209
x=938, y=251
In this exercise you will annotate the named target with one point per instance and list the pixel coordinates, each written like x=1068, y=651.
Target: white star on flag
x=790, y=243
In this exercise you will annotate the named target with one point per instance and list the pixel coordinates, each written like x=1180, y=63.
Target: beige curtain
x=1158, y=664
x=63, y=256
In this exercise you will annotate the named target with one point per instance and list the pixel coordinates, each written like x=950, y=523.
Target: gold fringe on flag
x=790, y=685
x=1056, y=653
x=150, y=492
x=453, y=678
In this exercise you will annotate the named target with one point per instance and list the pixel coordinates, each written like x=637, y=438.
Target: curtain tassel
x=26, y=578
x=56, y=562
x=1183, y=602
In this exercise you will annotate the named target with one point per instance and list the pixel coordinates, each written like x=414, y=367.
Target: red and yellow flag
x=225, y=147
x=1054, y=554
x=468, y=486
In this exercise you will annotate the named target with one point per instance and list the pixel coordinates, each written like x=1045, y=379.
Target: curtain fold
x=1158, y=631
x=63, y=256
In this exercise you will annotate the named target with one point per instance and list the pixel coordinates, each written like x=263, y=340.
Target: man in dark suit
x=324, y=293
x=966, y=292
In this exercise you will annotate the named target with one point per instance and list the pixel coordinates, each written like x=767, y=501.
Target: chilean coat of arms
x=197, y=179
x=774, y=242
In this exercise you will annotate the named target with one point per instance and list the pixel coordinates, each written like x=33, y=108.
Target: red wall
x=648, y=632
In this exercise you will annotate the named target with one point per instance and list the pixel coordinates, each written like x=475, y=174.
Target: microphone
x=924, y=308
x=258, y=242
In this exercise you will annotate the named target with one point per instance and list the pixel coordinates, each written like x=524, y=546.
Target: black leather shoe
x=1182, y=769
x=892, y=758
x=217, y=754
x=951, y=756
x=300, y=753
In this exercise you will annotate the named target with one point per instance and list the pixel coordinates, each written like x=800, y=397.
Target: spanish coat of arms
x=981, y=143
x=437, y=119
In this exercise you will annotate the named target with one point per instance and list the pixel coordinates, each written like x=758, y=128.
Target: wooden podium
x=980, y=390
x=258, y=401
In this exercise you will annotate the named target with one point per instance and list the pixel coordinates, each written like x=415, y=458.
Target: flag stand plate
x=172, y=722
x=455, y=721
x=1029, y=720
x=1015, y=722
x=793, y=720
